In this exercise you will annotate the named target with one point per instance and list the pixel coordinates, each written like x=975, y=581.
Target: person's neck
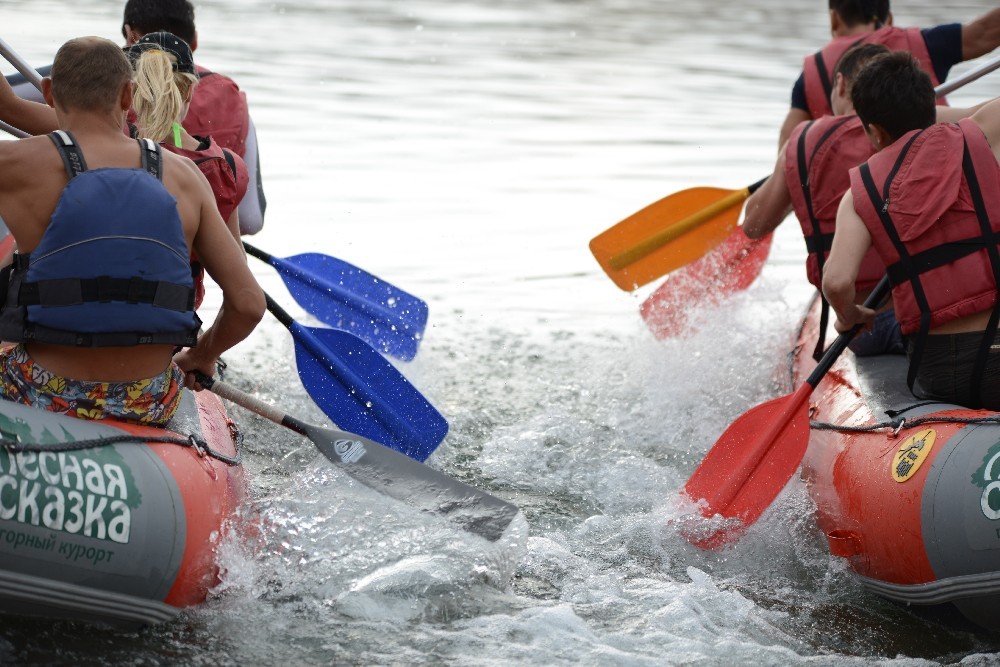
x=855, y=30
x=93, y=124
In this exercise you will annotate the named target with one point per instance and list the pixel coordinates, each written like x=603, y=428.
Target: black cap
x=164, y=41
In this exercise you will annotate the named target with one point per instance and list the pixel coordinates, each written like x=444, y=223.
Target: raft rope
x=896, y=425
x=199, y=444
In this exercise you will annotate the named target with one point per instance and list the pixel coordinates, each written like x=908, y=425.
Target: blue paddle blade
x=346, y=297
x=362, y=392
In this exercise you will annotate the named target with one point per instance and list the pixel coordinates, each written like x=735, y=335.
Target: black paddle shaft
x=257, y=252
x=843, y=340
x=280, y=313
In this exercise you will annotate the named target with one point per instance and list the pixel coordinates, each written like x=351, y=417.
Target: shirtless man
x=103, y=319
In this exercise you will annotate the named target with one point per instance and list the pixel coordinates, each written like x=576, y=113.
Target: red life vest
x=219, y=109
x=930, y=235
x=227, y=174
x=817, y=69
x=818, y=160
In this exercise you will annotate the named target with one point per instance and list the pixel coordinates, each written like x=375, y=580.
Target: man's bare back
x=32, y=179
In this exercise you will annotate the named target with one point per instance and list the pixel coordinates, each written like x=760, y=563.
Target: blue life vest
x=112, y=268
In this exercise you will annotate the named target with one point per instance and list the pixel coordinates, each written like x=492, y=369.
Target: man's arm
x=794, y=117
x=988, y=119
x=954, y=114
x=981, y=35
x=770, y=204
x=32, y=117
x=851, y=241
x=242, y=298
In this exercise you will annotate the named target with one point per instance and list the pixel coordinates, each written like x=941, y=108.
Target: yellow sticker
x=911, y=455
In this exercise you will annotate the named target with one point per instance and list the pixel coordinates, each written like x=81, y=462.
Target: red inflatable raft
x=115, y=523
x=913, y=506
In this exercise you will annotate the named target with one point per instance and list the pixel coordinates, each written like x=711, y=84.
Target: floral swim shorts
x=152, y=401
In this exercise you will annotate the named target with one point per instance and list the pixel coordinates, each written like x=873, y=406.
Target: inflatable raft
x=907, y=490
x=115, y=523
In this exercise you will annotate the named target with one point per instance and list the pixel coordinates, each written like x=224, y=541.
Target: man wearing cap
x=101, y=293
x=219, y=107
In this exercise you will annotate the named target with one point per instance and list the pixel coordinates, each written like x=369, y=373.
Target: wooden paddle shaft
x=243, y=399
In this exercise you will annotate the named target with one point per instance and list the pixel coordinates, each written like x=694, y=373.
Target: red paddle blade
x=749, y=466
x=727, y=269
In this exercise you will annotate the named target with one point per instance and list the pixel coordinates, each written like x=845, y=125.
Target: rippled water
x=468, y=151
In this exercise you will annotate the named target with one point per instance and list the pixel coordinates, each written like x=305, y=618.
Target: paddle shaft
x=20, y=64
x=388, y=471
x=681, y=227
x=28, y=72
x=13, y=131
x=731, y=485
x=968, y=77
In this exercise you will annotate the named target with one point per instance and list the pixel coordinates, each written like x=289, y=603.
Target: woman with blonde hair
x=164, y=82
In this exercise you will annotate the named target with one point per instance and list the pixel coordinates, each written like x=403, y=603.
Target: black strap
x=881, y=204
x=72, y=157
x=205, y=74
x=938, y=256
x=817, y=236
x=824, y=75
x=104, y=289
x=120, y=339
x=150, y=157
x=819, y=243
x=70, y=153
x=230, y=160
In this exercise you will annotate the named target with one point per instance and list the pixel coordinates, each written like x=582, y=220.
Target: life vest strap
x=817, y=231
x=881, y=204
x=104, y=289
x=69, y=150
x=117, y=339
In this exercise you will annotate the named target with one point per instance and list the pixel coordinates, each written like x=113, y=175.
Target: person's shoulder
x=212, y=77
x=179, y=166
x=30, y=148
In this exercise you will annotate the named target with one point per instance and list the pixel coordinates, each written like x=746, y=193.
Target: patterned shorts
x=152, y=401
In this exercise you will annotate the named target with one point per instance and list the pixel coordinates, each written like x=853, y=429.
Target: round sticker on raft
x=911, y=454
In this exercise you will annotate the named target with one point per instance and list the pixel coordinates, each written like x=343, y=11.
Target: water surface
x=468, y=151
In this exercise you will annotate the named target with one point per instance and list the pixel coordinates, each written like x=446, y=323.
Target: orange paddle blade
x=749, y=465
x=667, y=234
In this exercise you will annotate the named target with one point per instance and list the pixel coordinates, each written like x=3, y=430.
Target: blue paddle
x=346, y=297
x=361, y=391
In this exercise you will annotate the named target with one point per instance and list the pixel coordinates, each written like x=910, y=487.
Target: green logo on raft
x=987, y=478
x=90, y=492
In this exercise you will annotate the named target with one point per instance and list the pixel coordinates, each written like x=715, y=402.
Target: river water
x=468, y=151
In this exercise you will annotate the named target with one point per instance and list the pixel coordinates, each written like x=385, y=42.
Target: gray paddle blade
x=414, y=483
